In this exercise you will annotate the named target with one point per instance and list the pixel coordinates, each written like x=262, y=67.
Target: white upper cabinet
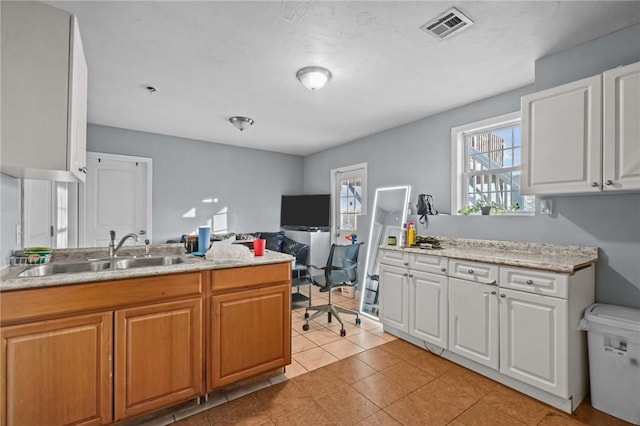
x=583, y=136
x=44, y=93
x=621, y=132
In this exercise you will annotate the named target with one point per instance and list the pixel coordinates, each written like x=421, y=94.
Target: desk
x=300, y=277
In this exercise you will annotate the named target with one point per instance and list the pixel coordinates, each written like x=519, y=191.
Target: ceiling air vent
x=450, y=22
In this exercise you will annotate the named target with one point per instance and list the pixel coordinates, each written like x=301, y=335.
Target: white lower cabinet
x=473, y=321
x=428, y=307
x=534, y=340
x=394, y=291
x=515, y=325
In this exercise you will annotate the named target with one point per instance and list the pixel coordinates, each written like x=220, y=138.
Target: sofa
x=276, y=241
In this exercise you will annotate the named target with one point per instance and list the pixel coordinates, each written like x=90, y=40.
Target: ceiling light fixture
x=241, y=123
x=313, y=78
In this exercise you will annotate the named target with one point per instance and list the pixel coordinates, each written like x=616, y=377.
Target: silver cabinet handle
x=443, y=269
x=502, y=295
x=609, y=182
x=470, y=271
x=493, y=292
x=406, y=263
x=142, y=232
x=405, y=274
x=594, y=184
x=529, y=282
x=410, y=275
x=83, y=169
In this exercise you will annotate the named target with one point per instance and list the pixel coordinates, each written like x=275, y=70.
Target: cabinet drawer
x=484, y=273
x=533, y=281
x=426, y=263
x=394, y=258
x=235, y=278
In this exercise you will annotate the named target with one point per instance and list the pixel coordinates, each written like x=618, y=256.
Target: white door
x=428, y=307
x=473, y=321
x=621, y=131
x=561, y=139
x=534, y=341
x=394, y=297
x=348, y=198
x=118, y=197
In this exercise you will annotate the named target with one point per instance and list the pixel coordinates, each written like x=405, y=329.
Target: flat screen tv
x=305, y=211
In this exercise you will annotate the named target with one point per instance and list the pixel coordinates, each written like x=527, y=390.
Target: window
x=348, y=197
x=486, y=166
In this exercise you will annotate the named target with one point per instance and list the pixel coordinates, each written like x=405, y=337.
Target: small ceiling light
x=313, y=78
x=241, y=123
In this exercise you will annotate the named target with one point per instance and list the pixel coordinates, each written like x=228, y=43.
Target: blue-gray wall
x=248, y=182
x=419, y=154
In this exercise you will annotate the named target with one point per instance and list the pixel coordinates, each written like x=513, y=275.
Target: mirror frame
x=370, y=248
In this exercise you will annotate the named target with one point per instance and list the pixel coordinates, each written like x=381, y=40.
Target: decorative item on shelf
x=485, y=207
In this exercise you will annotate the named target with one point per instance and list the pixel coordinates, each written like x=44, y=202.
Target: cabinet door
x=250, y=333
x=473, y=321
x=158, y=356
x=57, y=372
x=534, y=341
x=394, y=297
x=561, y=139
x=621, y=140
x=428, y=307
x=77, y=149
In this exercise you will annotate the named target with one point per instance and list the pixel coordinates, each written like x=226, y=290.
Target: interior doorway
x=116, y=195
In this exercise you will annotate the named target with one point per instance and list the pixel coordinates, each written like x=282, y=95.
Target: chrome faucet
x=113, y=248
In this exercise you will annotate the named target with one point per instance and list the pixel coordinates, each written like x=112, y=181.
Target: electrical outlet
x=546, y=206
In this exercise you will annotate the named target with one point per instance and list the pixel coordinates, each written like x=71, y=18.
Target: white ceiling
x=211, y=60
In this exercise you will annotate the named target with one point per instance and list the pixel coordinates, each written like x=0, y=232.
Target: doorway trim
x=82, y=204
x=360, y=170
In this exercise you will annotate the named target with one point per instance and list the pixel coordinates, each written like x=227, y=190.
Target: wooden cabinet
x=583, y=136
x=57, y=372
x=250, y=333
x=158, y=358
x=44, y=80
x=473, y=321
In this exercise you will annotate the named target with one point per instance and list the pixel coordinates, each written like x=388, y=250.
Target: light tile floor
x=372, y=378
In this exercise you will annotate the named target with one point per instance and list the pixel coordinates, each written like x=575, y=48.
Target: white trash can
x=614, y=359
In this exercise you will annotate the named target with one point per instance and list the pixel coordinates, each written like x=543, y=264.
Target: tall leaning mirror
x=389, y=213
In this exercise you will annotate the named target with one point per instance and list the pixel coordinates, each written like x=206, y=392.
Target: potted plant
x=485, y=206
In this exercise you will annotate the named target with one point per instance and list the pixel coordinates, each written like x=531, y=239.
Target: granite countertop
x=9, y=279
x=548, y=257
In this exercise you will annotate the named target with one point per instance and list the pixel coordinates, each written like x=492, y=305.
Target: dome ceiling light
x=314, y=78
x=241, y=123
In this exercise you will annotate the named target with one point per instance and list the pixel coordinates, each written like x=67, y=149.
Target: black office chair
x=341, y=271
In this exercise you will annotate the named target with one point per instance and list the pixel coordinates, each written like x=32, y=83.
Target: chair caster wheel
x=305, y=327
x=343, y=332
x=306, y=315
x=358, y=321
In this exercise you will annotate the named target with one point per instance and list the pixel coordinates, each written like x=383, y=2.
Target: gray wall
x=247, y=182
x=10, y=216
x=419, y=154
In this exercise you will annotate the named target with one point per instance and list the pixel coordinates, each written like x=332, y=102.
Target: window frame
x=458, y=157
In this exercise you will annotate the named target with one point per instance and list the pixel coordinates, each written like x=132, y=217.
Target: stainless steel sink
x=144, y=262
x=66, y=268
x=100, y=265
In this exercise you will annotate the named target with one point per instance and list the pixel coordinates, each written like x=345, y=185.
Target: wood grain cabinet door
x=250, y=333
x=158, y=356
x=57, y=372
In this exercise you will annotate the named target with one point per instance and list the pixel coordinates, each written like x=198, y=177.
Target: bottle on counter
x=411, y=234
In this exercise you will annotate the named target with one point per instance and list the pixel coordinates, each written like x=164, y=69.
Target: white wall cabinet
x=583, y=136
x=44, y=93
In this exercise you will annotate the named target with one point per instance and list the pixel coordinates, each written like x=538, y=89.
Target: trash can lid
x=614, y=316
